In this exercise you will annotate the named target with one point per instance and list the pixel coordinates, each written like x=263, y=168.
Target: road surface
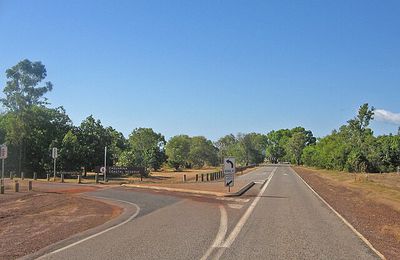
x=278, y=219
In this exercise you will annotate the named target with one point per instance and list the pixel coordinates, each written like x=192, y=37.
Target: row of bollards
x=16, y=186
x=206, y=176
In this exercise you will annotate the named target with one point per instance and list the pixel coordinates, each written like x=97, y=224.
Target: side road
x=214, y=188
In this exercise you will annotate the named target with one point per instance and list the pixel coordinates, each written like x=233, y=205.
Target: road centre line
x=99, y=233
x=228, y=242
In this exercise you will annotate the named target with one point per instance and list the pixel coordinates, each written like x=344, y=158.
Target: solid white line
x=101, y=232
x=223, y=227
x=342, y=218
x=228, y=242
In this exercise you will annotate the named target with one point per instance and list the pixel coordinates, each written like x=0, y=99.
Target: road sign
x=3, y=151
x=229, y=171
x=103, y=170
x=54, y=153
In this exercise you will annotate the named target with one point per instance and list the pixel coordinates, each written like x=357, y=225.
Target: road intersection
x=279, y=218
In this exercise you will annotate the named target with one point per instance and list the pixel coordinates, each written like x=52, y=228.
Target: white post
x=54, y=169
x=105, y=163
x=2, y=169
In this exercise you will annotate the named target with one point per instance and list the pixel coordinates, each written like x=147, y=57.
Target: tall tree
x=202, y=151
x=22, y=93
x=177, y=150
x=146, y=149
x=22, y=90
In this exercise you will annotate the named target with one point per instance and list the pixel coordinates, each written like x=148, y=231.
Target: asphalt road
x=280, y=219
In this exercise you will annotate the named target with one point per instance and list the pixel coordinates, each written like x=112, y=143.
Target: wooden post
x=29, y=185
x=202, y=177
x=184, y=178
x=35, y=176
x=16, y=186
x=2, y=189
x=197, y=177
x=48, y=177
x=62, y=177
x=96, y=178
x=22, y=176
x=79, y=178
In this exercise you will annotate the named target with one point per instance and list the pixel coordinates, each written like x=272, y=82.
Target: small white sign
x=54, y=153
x=3, y=151
x=103, y=170
x=229, y=171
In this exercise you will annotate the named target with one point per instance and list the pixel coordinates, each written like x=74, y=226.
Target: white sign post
x=54, y=154
x=3, y=156
x=105, y=164
x=229, y=172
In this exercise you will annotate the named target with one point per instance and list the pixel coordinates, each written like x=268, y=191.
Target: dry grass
x=383, y=188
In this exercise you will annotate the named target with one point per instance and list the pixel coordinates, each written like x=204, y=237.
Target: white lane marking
x=101, y=232
x=223, y=227
x=342, y=218
x=235, y=206
x=233, y=199
x=228, y=242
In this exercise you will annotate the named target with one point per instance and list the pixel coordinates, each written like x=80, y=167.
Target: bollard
x=48, y=177
x=35, y=176
x=184, y=178
x=11, y=175
x=2, y=189
x=22, y=176
x=29, y=185
x=16, y=186
x=79, y=178
x=202, y=177
x=62, y=177
x=208, y=176
x=197, y=177
x=96, y=178
x=1, y=182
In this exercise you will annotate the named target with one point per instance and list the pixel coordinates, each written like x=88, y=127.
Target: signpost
x=229, y=172
x=54, y=154
x=105, y=164
x=3, y=156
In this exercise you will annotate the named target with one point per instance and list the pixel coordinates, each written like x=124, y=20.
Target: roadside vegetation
x=30, y=128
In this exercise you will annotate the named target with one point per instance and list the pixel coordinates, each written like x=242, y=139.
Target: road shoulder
x=375, y=221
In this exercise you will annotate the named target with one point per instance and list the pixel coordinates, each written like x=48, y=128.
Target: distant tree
x=224, y=144
x=296, y=145
x=146, y=148
x=94, y=138
x=202, y=151
x=177, y=150
x=71, y=152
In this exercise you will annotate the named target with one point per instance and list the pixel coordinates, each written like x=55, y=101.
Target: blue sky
x=211, y=67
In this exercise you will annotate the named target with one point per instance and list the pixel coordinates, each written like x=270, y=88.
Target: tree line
x=31, y=129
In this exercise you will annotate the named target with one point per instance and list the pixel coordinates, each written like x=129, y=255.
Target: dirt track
x=35, y=220
x=376, y=221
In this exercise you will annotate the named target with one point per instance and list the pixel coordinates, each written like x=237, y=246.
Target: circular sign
x=103, y=169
